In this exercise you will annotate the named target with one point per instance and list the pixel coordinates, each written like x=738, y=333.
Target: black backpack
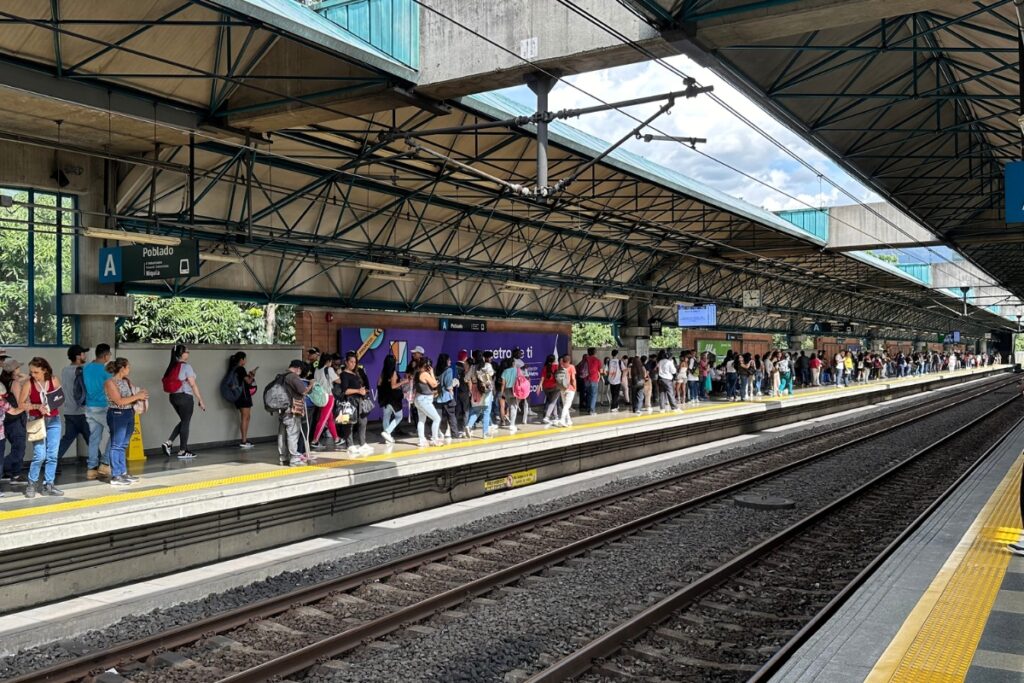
x=78, y=389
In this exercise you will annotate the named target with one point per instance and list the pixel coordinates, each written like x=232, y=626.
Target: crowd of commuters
x=45, y=412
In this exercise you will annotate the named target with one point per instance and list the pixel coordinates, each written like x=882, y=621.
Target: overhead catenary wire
x=569, y=4
x=556, y=76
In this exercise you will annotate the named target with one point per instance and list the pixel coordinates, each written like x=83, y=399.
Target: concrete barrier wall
x=219, y=423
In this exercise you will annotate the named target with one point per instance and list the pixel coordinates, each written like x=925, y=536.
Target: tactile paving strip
x=938, y=640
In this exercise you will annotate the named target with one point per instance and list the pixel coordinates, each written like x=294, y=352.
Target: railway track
x=745, y=618
x=293, y=632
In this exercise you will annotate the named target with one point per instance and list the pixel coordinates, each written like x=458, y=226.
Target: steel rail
x=582, y=660
x=88, y=665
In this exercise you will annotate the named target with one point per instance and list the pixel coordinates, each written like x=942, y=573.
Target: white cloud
x=784, y=183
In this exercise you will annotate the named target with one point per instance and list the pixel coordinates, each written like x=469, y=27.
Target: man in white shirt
x=615, y=369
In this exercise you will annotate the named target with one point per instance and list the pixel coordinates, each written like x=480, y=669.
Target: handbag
x=139, y=407
x=346, y=412
x=35, y=430
x=55, y=399
x=366, y=405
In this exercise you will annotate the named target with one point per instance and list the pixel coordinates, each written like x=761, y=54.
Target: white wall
x=220, y=421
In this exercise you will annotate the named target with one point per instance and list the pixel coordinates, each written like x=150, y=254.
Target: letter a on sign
x=110, y=265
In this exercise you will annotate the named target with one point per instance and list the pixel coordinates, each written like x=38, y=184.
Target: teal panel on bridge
x=391, y=26
x=918, y=271
x=812, y=221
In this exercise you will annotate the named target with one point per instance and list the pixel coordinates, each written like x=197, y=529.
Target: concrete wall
x=219, y=423
x=455, y=62
x=857, y=227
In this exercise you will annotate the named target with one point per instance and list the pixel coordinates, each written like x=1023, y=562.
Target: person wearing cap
x=309, y=368
x=12, y=378
x=95, y=376
x=75, y=423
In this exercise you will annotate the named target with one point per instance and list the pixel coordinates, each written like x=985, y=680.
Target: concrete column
x=796, y=342
x=96, y=319
x=920, y=345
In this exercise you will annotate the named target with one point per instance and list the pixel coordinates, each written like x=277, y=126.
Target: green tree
x=888, y=258
x=585, y=335
x=670, y=338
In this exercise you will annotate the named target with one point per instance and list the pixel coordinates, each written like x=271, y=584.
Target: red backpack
x=521, y=388
x=172, y=384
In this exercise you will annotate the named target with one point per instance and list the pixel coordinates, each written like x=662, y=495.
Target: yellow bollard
x=135, y=451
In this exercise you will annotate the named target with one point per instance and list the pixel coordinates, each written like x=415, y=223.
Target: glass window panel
x=14, y=272
x=46, y=283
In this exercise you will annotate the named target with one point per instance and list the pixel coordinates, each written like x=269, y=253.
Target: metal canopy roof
x=922, y=107
x=324, y=191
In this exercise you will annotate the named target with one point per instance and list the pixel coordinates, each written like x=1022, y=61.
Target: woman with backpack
x=179, y=381
x=326, y=378
x=549, y=389
x=390, y=395
x=503, y=381
x=445, y=401
x=481, y=384
x=517, y=386
x=238, y=387
x=566, y=380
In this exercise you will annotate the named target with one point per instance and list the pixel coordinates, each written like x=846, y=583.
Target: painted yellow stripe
x=938, y=639
x=128, y=496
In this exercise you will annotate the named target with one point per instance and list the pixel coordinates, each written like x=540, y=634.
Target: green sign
x=718, y=347
x=154, y=262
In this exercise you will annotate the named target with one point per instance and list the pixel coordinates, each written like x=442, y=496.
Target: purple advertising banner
x=376, y=344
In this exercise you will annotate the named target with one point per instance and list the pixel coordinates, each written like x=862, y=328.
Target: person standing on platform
x=814, y=363
x=637, y=378
x=294, y=416
x=463, y=398
x=803, y=369
x=614, y=375
x=354, y=388
x=566, y=380
x=246, y=382
x=666, y=375
x=447, y=385
x=180, y=382
x=425, y=386
x=73, y=381
x=549, y=389
x=481, y=379
x=95, y=375
x=121, y=397
x=592, y=381
x=389, y=395
x=311, y=364
x=43, y=398
x=15, y=420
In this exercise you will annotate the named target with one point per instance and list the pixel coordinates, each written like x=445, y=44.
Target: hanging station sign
x=149, y=262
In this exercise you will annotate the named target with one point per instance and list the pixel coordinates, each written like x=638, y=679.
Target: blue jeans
x=15, y=430
x=591, y=395
x=730, y=385
x=45, y=451
x=426, y=409
x=483, y=409
x=390, y=419
x=97, y=421
x=122, y=425
x=73, y=426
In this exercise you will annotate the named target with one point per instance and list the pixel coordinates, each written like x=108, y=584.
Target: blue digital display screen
x=698, y=316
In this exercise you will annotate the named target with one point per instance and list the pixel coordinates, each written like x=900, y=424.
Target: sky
x=785, y=183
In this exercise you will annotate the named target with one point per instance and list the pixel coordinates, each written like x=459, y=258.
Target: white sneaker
x=366, y=449
x=423, y=444
x=513, y=429
x=387, y=437
x=546, y=421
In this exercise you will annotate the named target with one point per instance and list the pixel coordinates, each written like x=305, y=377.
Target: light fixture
x=512, y=290
x=220, y=258
x=391, y=277
x=385, y=267
x=138, y=238
x=515, y=284
x=616, y=296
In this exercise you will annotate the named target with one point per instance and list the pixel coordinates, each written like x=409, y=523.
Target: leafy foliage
x=591, y=334
x=670, y=338
x=204, y=321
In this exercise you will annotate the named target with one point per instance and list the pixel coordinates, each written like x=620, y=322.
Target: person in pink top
x=565, y=378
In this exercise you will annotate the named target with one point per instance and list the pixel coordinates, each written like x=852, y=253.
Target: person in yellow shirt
x=848, y=367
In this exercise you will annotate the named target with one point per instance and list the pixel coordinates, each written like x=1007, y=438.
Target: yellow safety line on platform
x=938, y=639
x=294, y=471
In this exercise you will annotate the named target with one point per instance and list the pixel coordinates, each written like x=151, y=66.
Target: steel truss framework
x=922, y=107
x=305, y=199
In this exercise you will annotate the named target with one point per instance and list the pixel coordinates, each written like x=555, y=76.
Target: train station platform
x=230, y=502
x=947, y=605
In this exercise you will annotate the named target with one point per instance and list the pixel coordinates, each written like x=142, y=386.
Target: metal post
x=541, y=85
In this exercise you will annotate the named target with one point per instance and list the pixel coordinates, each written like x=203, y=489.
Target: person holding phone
x=43, y=398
